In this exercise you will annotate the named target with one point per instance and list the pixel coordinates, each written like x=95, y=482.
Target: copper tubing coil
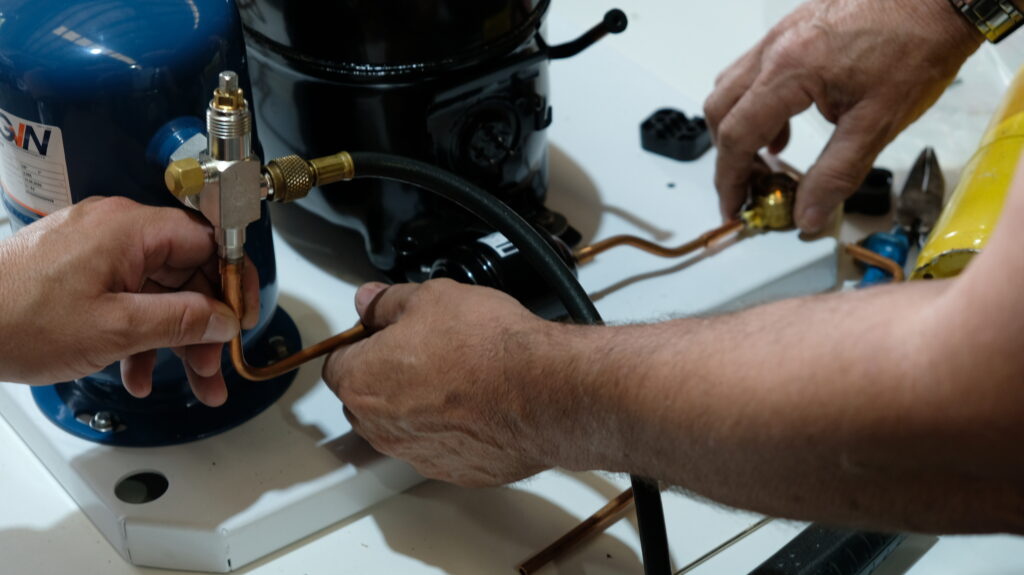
x=591, y=526
x=586, y=254
x=231, y=285
x=868, y=257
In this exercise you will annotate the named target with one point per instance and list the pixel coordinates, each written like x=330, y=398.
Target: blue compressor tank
x=94, y=97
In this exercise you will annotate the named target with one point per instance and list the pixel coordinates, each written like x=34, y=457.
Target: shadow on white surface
x=509, y=525
x=574, y=194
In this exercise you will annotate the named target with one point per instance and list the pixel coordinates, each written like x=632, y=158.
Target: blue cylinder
x=86, y=87
x=895, y=246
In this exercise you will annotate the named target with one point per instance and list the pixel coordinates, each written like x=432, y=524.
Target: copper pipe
x=586, y=254
x=725, y=546
x=591, y=526
x=868, y=257
x=231, y=285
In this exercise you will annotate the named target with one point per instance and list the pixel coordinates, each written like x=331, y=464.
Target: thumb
x=380, y=305
x=173, y=320
x=842, y=167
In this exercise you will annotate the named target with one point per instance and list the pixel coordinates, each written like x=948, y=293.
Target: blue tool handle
x=820, y=550
x=895, y=246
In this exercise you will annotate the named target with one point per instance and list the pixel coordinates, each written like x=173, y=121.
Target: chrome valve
x=224, y=181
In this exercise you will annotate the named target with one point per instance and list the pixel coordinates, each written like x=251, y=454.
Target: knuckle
x=186, y=322
x=834, y=183
x=791, y=49
x=713, y=111
x=117, y=329
x=331, y=373
x=114, y=204
x=730, y=138
x=432, y=291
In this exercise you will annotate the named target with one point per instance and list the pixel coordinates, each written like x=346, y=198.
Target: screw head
x=185, y=178
x=102, y=421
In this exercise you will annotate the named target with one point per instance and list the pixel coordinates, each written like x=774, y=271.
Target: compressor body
x=463, y=86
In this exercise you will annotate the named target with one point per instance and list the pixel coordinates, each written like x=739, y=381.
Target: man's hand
x=439, y=383
x=872, y=67
x=107, y=280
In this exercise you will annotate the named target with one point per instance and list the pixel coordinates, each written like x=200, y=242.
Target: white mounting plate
x=297, y=468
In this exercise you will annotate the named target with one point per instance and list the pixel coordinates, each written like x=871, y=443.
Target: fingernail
x=220, y=329
x=367, y=293
x=812, y=220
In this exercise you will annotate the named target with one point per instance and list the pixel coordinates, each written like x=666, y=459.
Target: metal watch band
x=996, y=19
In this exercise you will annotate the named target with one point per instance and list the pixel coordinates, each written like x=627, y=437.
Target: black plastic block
x=670, y=133
x=874, y=198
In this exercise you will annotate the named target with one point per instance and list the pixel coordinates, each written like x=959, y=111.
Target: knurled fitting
x=291, y=177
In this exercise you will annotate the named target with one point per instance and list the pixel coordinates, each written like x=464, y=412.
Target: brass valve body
x=773, y=197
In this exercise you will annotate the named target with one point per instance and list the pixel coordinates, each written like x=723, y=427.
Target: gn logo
x=25, y=135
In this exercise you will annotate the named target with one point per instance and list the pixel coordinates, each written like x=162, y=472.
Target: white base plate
x=297, y=467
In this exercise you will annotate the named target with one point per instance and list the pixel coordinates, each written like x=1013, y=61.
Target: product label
x=500, y=245
x=33, y=171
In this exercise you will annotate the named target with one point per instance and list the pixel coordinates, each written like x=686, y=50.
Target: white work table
x=433, y=528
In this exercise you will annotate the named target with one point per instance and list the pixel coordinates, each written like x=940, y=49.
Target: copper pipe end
x=868, y=257
x=591, y=526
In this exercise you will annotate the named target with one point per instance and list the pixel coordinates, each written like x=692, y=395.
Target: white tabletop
x=436, y=528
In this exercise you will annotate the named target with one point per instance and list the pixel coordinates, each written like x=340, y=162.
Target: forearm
x=848, y=408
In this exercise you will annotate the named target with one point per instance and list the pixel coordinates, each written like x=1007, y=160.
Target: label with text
x=33, y=169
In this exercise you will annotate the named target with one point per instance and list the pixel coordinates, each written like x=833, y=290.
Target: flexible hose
x=554, y=271
x=548, y=264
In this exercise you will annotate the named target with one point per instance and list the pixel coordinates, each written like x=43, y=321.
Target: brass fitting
x=773, y=197
x=229, y=95
x=291, y=178
x=332, y=169
x=185, y=178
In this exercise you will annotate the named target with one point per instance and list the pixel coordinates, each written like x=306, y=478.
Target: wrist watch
x=996, y=19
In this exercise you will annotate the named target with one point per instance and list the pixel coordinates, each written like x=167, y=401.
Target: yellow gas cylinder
x=970, y=216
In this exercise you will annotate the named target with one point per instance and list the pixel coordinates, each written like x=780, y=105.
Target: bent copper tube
x=591, y=526
x=231, y=285
x=868, y=257
x=586, y=254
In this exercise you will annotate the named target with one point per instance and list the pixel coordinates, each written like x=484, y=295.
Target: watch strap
x=996, y=19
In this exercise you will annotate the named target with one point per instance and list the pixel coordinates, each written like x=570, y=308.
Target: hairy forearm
x=850, y=408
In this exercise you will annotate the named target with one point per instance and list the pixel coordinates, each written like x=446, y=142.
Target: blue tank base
x=155, y=422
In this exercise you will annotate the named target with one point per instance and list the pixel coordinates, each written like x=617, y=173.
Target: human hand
x=441, y=383
x=107, y=280
x=871, y=67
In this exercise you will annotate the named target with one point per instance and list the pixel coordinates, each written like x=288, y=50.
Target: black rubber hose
x=551, y=267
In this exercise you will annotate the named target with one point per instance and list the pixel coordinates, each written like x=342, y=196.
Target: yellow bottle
x=970, y=216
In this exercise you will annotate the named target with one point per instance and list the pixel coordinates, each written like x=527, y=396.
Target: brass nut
x=185, y=178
